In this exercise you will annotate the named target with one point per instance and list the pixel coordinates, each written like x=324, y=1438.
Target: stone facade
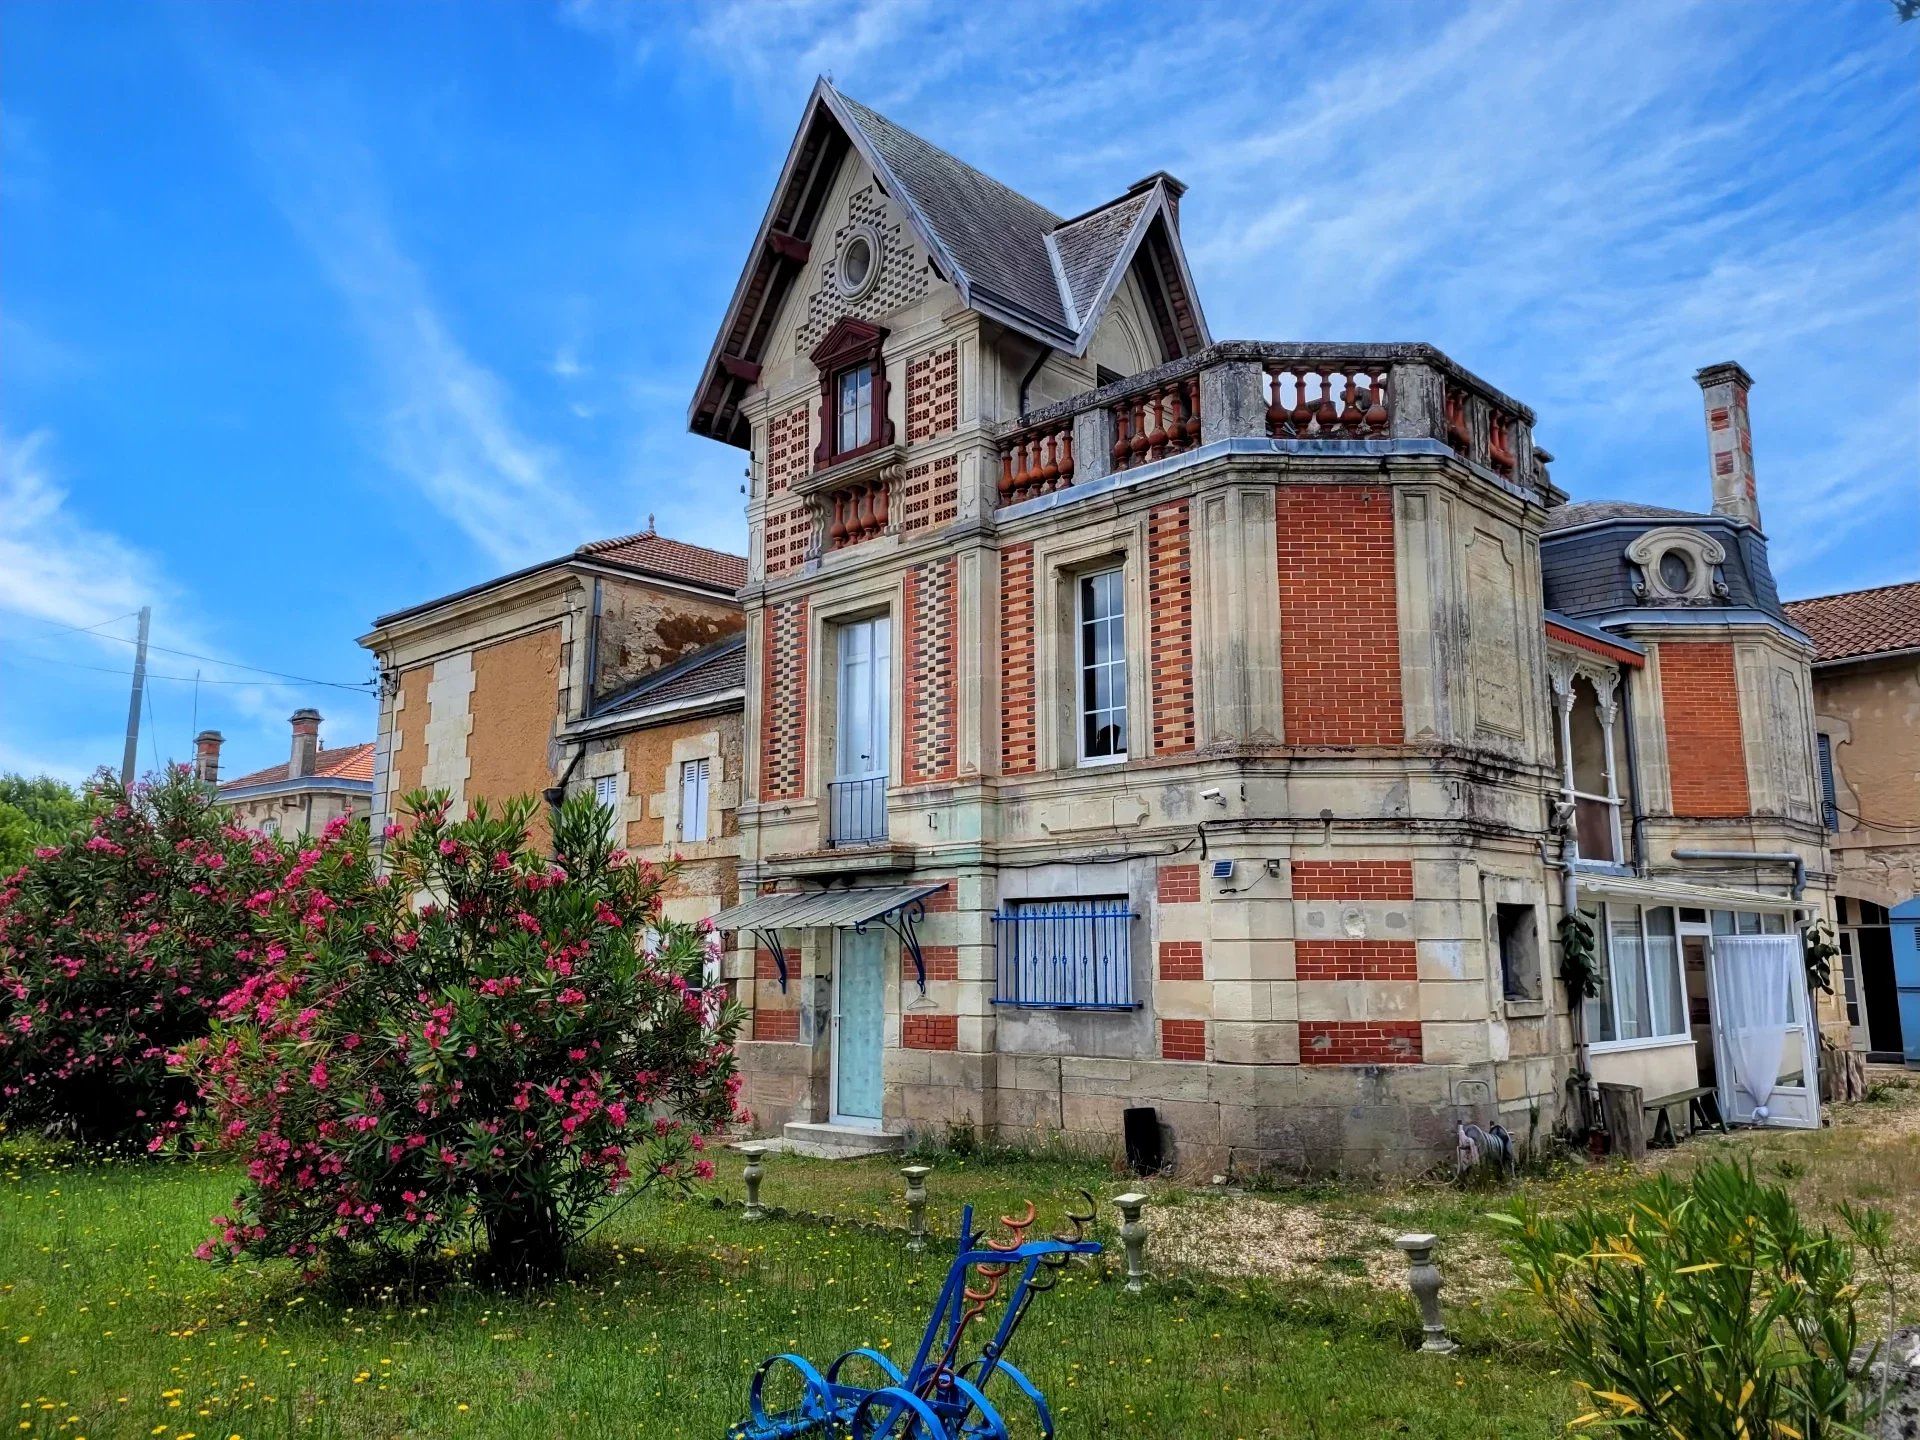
x=1338, y=813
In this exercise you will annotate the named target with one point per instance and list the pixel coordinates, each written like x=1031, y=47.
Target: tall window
x=606, y=794
x=855, y=424
x=693, y=801
x=1102, y=625
x=1642, y=996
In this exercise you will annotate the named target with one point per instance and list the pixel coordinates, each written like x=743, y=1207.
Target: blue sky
x=310, y=311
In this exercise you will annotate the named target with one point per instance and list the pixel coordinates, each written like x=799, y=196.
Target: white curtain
x=1756, y=1008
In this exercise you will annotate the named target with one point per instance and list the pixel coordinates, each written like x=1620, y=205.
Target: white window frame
x=1604, y=949
x=1083, y=669
x=859, y=414
x=606, y=793
x=696, y=796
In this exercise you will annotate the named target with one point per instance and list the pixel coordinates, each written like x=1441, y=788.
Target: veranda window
x=1642, y=994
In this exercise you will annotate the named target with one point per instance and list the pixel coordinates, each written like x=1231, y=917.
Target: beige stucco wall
x=1871, y=712
x=297, y=814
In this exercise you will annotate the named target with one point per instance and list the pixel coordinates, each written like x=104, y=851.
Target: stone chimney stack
x=206, y=757
x=1730, y=441
x=306, y=743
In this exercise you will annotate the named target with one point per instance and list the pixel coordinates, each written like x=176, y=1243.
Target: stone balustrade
x=1316, y=398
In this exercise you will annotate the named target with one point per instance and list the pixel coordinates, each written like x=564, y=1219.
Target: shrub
x=115, y=945
x=1708, y=1308
x=481, y=1046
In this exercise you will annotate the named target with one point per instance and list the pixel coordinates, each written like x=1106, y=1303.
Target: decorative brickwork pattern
x=1182, y=960
x=1339, y=616
x=930, y=494
x=1170, y=627
x=1183, y=1039
x=776, y=1024
x=783, y=701
x=1355, y=960
x=1705, y=753
x=930, y=1032
x=1179, y=884
x=942, y=962
x=901, y=281
x=789, y=522
x=1017, y=743
x=1353, y=880
x=1359, y=1042
x=928, y=724
x=933, y=394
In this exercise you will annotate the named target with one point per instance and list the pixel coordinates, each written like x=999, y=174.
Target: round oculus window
x=1676, y=572
x=857, y=263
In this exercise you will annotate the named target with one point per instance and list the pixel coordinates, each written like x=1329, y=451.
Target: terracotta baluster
x=1377, y=402
x=1193, y=411
x=1302, y=406
x=1157, y=431
x=1049, y=470
x=1276, y=411
x=1328, y=415
x=1142, y=438
x=1006, y=474
x=1066, y=455
x=881, y=497
x=1350, y=412
x=1122, y=444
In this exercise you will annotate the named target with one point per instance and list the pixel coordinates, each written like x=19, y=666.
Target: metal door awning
x=898, y=907
x=1655, y=890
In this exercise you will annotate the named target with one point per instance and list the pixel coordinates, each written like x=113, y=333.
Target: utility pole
x=131, y=755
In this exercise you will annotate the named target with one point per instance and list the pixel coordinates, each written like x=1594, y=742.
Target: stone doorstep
x=838, y=1142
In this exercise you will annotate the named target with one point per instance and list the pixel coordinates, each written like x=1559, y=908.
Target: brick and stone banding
x=1018, y=754
x=783, y=701
x=1170, y=628
x=930, y=1032
x=1360, y=1042
x=1183, y=1040
x=1706, y=753
x=1339, y=616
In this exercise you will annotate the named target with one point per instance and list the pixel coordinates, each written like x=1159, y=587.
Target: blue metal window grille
x=1065, y=954
x=1829, y=805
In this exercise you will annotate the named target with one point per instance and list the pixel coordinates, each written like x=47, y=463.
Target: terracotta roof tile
x=672, y=559
x=345, y=762
x=1861, y=622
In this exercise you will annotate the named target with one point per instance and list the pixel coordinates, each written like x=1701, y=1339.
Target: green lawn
x=111, y=1329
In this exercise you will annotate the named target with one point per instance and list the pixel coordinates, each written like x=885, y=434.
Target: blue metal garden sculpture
x=940, y=1396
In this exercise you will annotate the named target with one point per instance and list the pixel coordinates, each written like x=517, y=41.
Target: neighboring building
x=615, y=668
x=1866, y=712
x=1139, y=720
x=301, y=797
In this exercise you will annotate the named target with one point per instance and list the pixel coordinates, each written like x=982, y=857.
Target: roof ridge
x=1849, y=594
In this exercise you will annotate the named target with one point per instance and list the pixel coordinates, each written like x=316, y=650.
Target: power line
x=364, y=688
x=86, y=629
x=238, y=665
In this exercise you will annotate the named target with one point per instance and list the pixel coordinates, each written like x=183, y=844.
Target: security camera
x=1213, y=793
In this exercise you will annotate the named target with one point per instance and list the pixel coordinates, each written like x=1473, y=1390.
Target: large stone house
x=1136, y=719
x=315, y=787
x=1866, y=709
x=615, y=669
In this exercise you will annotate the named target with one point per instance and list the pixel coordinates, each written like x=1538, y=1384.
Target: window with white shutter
x=693, y=801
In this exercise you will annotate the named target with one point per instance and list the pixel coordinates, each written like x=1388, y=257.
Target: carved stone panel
x=1493, y=636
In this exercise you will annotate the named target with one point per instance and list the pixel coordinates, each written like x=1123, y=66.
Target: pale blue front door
x=859, y=1026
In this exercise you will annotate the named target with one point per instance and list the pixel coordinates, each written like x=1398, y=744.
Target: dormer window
x=1676, y=572
x=855, y=422
x=1676, y=565
x=853, y=392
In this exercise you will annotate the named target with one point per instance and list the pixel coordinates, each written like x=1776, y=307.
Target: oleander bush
x=115, y=945
x=485, y=1045
x=1705, y=1307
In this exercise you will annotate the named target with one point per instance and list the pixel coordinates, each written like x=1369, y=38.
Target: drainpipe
x=1026, y=380
x=1777, y=857
x=555, y=794
x=1639, y=818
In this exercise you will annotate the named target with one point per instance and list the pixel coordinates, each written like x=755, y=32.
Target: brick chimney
x=1730, y=441
x=206, y=757
x=306, y=743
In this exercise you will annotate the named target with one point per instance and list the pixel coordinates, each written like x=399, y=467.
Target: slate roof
x=671, y=559
x=344, y=762
x=1587, y=512
x=1008, y=256
x=1858, y=623
x=705, y=674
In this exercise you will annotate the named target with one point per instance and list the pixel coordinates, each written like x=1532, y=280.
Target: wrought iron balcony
x=857, y=811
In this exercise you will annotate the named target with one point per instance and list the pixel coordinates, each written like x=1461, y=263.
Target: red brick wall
x=1182, y=960
x=1339, y=616
x=930, y=1032
x=1353, y=879
x=1706, y=757
x=1183, y=1039
x=776, y=1024
x=942, y=962
x=765, y=967
x=927, y=727
x=1017, y=744
x=789, y=527
x=933, y=394
x=1359, y=1042
x=1170, y=627
x=783, y=701
x=1354, y=960
x=1179, y=883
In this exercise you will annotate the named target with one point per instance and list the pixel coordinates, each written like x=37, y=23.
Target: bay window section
x=1101, y=625
x=1642, y=991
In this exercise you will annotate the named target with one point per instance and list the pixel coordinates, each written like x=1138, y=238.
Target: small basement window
x=1518, y=927
x=1065, y=954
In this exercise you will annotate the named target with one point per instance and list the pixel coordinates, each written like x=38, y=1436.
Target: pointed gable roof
x=1009, y=257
